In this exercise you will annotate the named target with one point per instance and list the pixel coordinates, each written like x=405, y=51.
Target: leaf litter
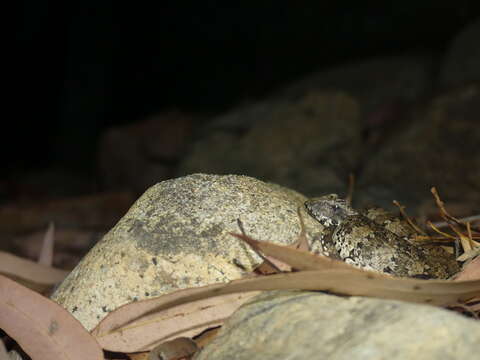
x=43, y=329
x=189, y=312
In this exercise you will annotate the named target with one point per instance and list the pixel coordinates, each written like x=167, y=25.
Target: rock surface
x=176, y=236
x=308, y=325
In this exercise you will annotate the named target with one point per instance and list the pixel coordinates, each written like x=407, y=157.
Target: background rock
x=137, y=156
x=313, y=142
x=310, y=143
x=372, y=82
x=439, y=148
x=308, y=325
x=462, y=58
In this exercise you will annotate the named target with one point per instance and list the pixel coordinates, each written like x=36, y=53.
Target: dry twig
x=401, y=208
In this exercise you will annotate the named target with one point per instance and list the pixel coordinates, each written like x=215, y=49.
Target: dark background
x=81, y=67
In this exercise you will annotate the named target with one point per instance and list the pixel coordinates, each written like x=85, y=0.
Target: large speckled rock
x=176, y=236
x=307, y=325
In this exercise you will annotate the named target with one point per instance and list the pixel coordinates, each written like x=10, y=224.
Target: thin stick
x=407, y=218
x=441, y=205
x=444, y=234
x=473, y=218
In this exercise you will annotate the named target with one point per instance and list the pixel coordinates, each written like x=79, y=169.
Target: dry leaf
x=471, y=271
x=298, y=259
x=188, y=320
x=35, y=276
x=46, y=252
x=43, y=329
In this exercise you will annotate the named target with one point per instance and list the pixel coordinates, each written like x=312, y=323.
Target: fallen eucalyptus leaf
x=43, y=329
x=46, y=252
x=298, y=259
x=35, y=276
x=471, y=271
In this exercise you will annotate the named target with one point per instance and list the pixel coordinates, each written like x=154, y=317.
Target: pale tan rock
x=176, y=236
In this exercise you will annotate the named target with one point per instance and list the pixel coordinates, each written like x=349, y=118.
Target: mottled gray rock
x=439, y=148
x=309, y=143
x=307, y=325
x=176, y=236
x=461, y=64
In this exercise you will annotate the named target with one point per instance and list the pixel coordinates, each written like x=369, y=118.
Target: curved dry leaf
x=46, y=252
x=43, y=329
x=298, y=259
x=29, y=273
x=187, y=320
x=471, y=271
